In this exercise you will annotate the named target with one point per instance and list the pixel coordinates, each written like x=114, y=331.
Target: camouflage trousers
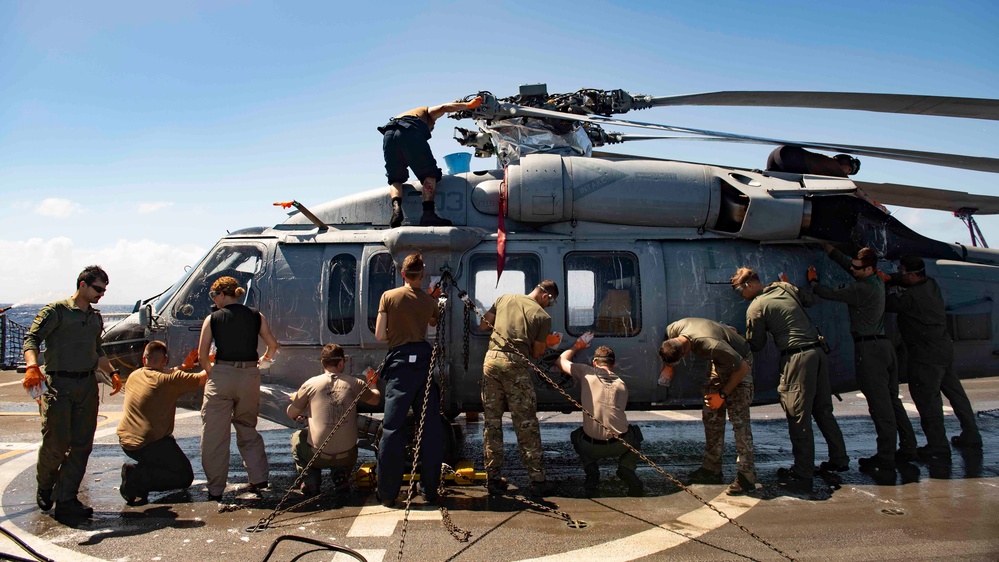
x=736, y=406
x=506, y=382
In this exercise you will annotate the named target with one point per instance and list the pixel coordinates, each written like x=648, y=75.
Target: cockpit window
x=343, y=291
x=521, y=273
x=603, y=293
x=381, y=277
x=243, y=261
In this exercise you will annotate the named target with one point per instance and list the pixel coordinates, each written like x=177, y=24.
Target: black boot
x=430, y=217
x=592, y=481
x=397, y=215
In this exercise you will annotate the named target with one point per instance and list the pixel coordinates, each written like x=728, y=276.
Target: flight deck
x=944, y=511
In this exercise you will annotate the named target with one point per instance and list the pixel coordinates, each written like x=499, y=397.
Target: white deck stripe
x=677, y=416
x=377, y=521
x=668, y=535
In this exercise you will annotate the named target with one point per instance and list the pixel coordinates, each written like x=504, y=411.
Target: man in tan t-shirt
x=520, y=332
x=403, y=316
x=603, y=394
x=146, y=427
x=324, y=400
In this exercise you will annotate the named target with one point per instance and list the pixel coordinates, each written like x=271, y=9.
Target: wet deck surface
x=943, y=511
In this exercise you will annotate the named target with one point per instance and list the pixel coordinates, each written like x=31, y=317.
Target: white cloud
x=153, y=206
x=57, y=207
x=41, y=271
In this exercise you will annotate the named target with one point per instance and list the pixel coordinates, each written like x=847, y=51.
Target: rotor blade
x=971, y=108
x=979, y=163
x=929, y=198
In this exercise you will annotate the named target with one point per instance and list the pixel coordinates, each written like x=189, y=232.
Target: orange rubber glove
x=812, y=274
x=476, y=102
x=434, y=291
x=190, y=361
x=783, y=277
x=32, y=377
x=884, y=276
x=580, y=344
x=714, y=401
x=371, y=376
x=115, y=385
x=553, y=339
x=666, y=375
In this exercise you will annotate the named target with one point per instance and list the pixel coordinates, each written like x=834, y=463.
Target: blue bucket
x=458, y=162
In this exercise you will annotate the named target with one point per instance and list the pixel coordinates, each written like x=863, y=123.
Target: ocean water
x=24, y=314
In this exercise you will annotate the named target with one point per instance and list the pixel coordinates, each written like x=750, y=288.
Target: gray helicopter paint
x=683, y=270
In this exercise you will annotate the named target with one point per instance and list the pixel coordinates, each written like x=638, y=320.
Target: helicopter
x=634, y=243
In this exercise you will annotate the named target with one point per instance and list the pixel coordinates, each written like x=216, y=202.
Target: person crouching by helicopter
x=875, y=361
x=729, y=388
x=603, y=394
x=405, y=144
x=232, y=393
x=804, y=388
x=327, y=400
x=797, y=160
x=145, y=431
x=403, y=316
x=520, y=332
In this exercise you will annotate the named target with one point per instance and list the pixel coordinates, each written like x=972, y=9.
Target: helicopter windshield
x=241, y=261
x=161, y=302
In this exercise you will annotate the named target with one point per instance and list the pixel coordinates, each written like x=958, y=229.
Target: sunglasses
x=739, y=288
x=213, y=294
x=856, y=267
x=100, y=290
x=550, y=297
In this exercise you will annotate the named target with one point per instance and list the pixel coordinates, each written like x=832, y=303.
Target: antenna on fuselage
x=305, y=211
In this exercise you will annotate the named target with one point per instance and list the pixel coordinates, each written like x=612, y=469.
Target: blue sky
x=136, y=134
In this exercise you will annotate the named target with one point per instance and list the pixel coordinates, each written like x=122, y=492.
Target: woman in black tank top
x=232, y=394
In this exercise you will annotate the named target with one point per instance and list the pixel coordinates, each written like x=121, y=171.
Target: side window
x=603, y=293
x=243, y=262
x=521, y=273
x=342, y=294
x=381, y=278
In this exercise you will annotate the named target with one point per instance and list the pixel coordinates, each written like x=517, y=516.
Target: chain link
x=627, y=445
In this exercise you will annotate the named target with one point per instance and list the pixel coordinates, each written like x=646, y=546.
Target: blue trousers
x=407, y=368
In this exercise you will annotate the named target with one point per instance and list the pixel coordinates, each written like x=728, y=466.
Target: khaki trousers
x=232, y=399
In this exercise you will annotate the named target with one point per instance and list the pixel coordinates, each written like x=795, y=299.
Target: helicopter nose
x=124, y=342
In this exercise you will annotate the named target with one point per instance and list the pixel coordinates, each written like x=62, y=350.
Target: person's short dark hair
x=867, y=257
x=913, y=264
x=549, y=287
x=850, y=161
x=331, y=355
x=671, y=350
x=604, y=356
x=155, y=348
x=743, y=275
x=413, y=265
x=90, y=274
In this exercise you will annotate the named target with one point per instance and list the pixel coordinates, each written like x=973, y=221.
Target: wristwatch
x=723, y=395
x=114, y=372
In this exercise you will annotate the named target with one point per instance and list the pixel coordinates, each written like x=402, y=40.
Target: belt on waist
x=794, y=350
x=589, y=439
x=71, y=374
x=237, y=364
x=858, y=339
x=334, y=456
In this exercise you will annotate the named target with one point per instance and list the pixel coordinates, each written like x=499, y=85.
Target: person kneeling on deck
x=326, y=399
x=146, y=427
x=604, y=395
x=729, y=387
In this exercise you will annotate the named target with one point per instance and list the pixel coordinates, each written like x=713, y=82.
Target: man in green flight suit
x=875, y=361
x=804, y=386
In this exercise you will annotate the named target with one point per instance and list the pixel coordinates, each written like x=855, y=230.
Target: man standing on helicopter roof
x=405, y=145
